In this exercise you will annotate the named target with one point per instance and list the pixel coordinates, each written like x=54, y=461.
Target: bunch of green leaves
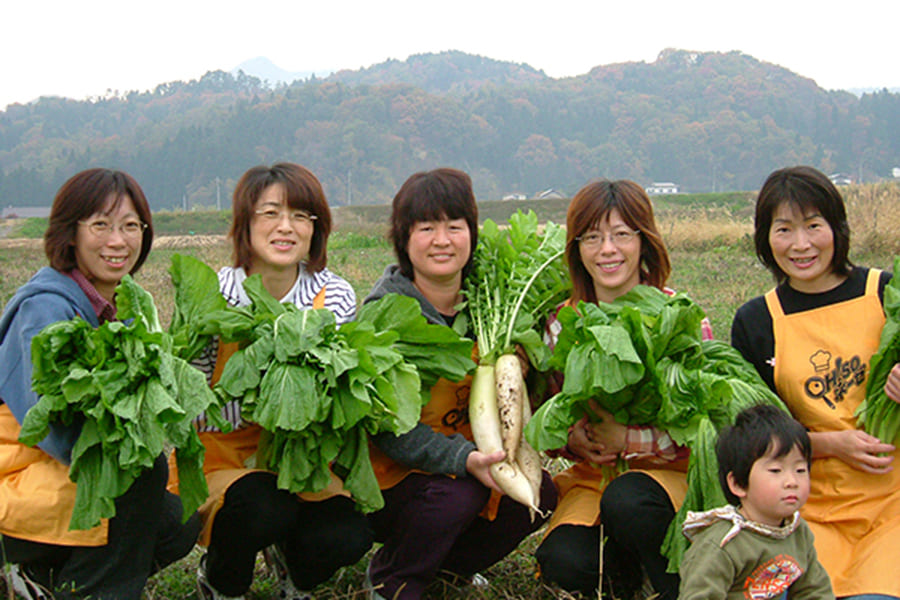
x=878, y=414
x=317, y=389
x=196, y=295
x=518, y=275
x=130, y=394
x=643, y=359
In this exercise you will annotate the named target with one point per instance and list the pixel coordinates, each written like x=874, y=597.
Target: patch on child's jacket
x=772, y=578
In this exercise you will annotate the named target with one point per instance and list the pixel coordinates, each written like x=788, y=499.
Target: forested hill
x=704, y=120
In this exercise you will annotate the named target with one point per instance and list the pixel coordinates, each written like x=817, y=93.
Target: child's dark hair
x=755, y=432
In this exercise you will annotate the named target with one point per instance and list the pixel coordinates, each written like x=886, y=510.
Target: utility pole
x=218, y=196
x=349, y=188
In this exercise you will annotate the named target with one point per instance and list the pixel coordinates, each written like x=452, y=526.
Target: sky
x=88, y=48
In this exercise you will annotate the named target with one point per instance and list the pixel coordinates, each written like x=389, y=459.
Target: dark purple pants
x=431, y=523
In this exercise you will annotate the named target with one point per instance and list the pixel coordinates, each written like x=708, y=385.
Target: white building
x=840, y=179
x=662, y=187
x=24, y=212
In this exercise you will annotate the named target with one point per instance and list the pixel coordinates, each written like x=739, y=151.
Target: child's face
x=776, y=488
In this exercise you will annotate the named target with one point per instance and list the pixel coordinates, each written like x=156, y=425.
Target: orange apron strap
x=319, y=300
x=226, y=349
x=774, y=304
x=872, y=281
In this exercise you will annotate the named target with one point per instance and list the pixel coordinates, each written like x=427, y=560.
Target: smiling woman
x=107, y=245
x=280, y=228
x=440, y=515
x=613, y=244
x=99, y=231
x=812, y=339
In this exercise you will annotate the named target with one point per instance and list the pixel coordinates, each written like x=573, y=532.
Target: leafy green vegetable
x=196, y=295
x=317, y=389
x=131, y=395
x=643, y=359
x=878, y=414
x=518, y=276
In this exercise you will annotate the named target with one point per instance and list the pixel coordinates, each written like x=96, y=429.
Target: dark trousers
x=635, y=512
x=431, y=523
x=145, y=535
x=317, y=538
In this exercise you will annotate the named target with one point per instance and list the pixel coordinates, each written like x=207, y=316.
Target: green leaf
x=196, y=295
x=878, y=414
x=518, y=273
x=288, y=398
x=133, y=302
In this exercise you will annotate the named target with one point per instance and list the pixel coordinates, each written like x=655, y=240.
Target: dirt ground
x=171, y=241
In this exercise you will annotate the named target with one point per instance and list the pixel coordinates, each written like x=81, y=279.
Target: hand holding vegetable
x=642, y=358
x=317, y=389
x=892, y=386
x=580, y=444
x=478, y=464
x=857, y=448
x=603, y=429
x=517, y=274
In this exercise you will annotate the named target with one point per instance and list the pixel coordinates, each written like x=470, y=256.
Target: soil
x=168, y=241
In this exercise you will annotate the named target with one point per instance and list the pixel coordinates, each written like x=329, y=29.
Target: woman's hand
x=599, y=441
x=892, y=385
x=856, y=448
x=478, y=464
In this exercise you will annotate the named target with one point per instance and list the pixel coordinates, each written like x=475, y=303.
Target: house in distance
x=663, y=187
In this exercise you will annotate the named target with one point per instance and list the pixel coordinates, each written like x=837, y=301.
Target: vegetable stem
x=531, y=280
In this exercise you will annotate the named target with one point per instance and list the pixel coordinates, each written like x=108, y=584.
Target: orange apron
x=228, y=455
x=821, y=367
x=581, y=486
x=36, y=494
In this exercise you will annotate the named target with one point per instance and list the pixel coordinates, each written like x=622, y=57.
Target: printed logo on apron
x=833, y=379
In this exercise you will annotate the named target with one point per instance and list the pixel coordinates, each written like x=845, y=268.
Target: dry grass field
x=713, y=260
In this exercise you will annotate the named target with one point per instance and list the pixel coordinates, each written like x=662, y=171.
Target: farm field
x=713, y=262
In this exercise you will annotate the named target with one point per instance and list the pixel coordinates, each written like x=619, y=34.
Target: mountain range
x=707, y=121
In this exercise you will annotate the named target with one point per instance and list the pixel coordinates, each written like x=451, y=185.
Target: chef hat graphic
x=821, y=361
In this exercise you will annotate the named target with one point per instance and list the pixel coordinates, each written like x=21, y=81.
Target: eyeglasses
x=103, y=229
x=297, y=217
x=619, y=238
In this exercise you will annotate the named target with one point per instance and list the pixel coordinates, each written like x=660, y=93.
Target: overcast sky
x=82, y=49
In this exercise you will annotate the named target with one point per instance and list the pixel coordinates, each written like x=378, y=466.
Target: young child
x=757, y=546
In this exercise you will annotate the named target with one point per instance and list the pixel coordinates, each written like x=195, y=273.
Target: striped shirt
x=340, y=299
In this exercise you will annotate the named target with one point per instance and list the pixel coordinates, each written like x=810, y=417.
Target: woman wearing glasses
x=613, y=245
x=279, y=230
x=99, y=230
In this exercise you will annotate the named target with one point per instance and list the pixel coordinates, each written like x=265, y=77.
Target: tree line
x=706, y=121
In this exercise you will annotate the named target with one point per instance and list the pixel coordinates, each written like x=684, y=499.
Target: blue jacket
x=48, y=297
